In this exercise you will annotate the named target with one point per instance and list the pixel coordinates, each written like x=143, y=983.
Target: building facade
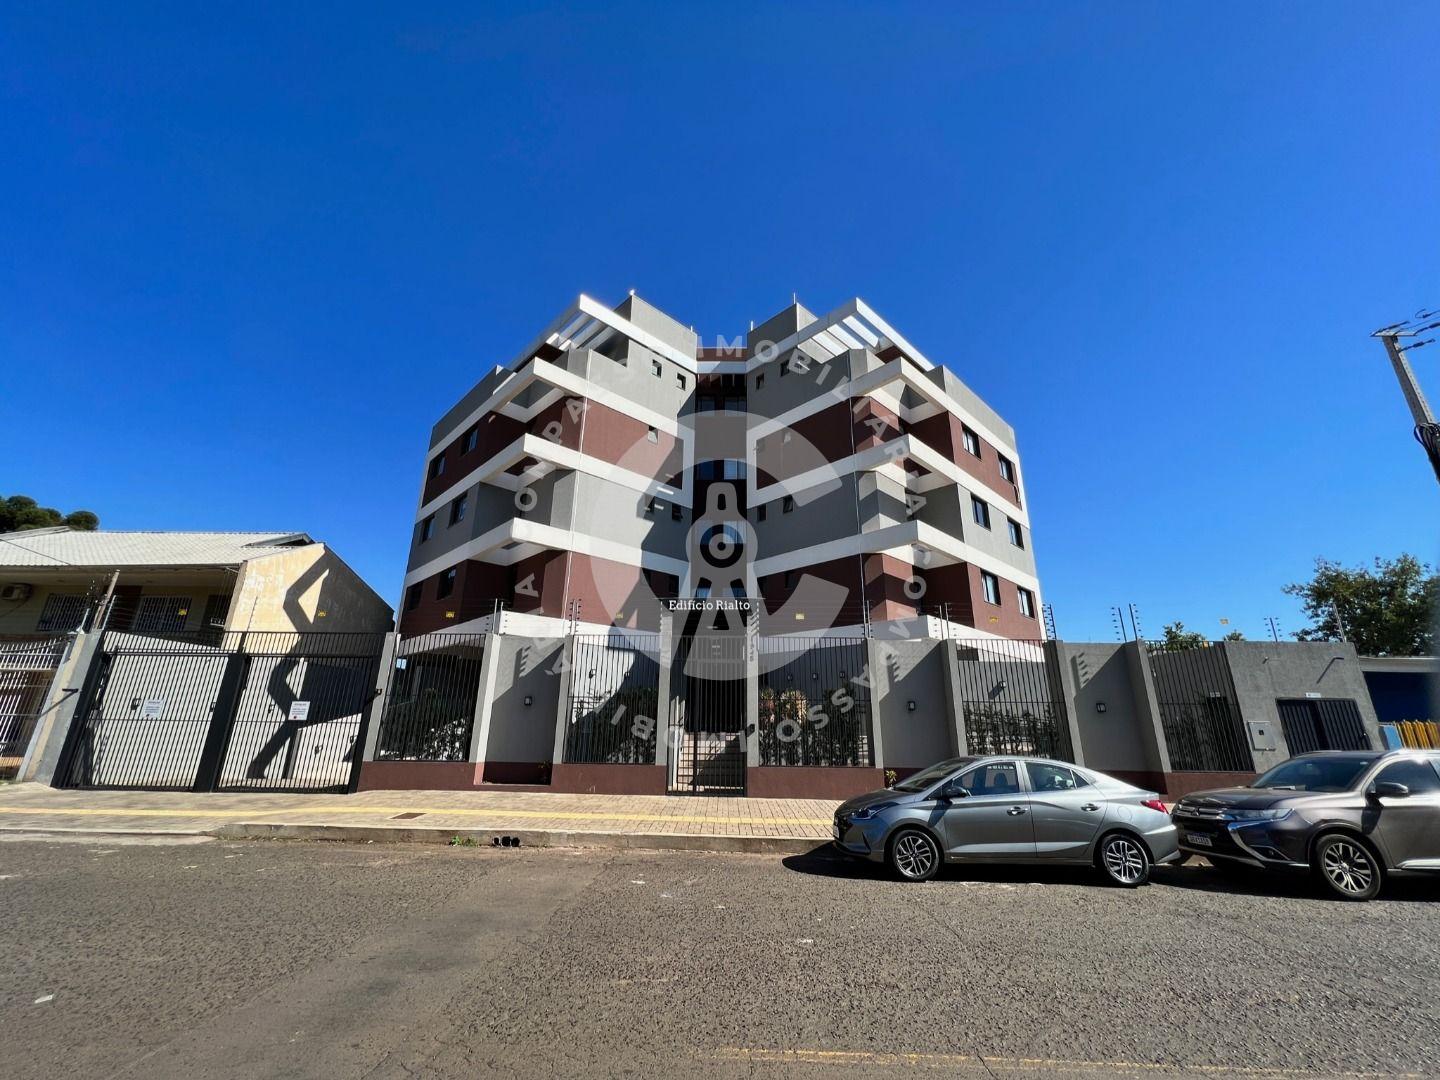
x=821, y=465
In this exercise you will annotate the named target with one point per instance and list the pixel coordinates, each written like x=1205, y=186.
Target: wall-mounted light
x=1099, y=706
x=910, y=705
x=529, y=700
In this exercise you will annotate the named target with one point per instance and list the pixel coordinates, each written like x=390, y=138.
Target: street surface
x=170, y=958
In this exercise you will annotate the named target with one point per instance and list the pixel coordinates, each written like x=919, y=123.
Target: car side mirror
x=1389, y=790
x=953, y=791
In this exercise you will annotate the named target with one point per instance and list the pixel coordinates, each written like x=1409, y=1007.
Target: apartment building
x=820, y=464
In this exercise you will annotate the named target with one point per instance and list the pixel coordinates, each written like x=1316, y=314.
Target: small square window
x=787, y=504
x=427, y=528
x=676, y=514
x=680, y=379
x=447, y=584
x=652, y=435
x=991, y=584
x=472, y=438
x=1027, y=602
x=759, y=380
x=980, y=509
x=437, y=467
x=760, y=512
x=790, y=579
x=1017, y=537
x=1007, y=468
x=655, y=368
x=412, y=597
x=970, y=439
x=458, y=507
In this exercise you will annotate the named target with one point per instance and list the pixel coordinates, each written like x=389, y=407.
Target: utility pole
x=1427, y=431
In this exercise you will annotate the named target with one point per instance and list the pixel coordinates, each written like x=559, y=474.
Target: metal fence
x=1198, y=710
x=27, y=667
x=1322, y=724
x=238, y=711
x=614, y=688
x=708, y=712
x=433, y=696
x=1009, y=693
x=815, y=702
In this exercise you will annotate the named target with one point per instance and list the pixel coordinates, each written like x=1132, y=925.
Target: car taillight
x=1156, y=804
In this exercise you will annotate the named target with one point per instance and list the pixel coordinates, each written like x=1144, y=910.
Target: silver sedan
x=1009, y=809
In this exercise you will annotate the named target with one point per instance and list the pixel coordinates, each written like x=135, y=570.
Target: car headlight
x=1257, y=815
x=870, y=812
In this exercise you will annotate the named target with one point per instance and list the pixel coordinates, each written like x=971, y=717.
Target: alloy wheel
x=914, y=855
x=1348, y=867
x=1124, y=861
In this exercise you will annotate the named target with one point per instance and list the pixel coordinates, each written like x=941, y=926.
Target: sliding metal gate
x=1323, y=724
x=243, y=711
x=707, y=715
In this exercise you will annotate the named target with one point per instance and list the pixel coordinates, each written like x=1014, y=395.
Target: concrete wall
x=912, y=671
x=305, y=588
x=519, y=739
x=1114, y=740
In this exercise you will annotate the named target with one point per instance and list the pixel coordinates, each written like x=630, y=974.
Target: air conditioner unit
x=18, y=590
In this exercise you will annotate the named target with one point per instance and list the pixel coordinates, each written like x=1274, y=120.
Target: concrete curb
x=101, y=830
x=419, y=834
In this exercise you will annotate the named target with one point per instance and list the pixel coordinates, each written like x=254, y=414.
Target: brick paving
x=32, y=807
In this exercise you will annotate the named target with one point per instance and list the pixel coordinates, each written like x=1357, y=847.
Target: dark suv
x=1349, y=817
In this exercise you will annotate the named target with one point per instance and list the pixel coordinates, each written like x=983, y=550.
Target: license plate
x=1198, y=840
x=836, y=830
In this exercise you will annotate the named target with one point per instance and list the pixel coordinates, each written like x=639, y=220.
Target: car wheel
x=1347, y=867
x=1124, y=860
x=914, y=855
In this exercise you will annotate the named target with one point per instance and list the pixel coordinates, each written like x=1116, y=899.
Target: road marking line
x=867, y=1057
x=299, y=812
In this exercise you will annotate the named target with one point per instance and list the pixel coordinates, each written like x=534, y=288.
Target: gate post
x=1062, y=694
x=1147, y=706
x=955, y=697
x=52, y=749
x=666, y=660
x=222, y=719
x=752, y=692
x=484, y=707
x=562, y=706
x=875, y=659
x=369, y=737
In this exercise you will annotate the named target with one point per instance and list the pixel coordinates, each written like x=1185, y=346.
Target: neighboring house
x=54, y=581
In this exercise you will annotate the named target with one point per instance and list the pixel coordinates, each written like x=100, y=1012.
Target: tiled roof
x=67, y=547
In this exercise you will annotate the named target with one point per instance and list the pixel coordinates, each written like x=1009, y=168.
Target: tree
x=1233, y=635
x=20, y=512
x=1384, y=610
x=1177, y=638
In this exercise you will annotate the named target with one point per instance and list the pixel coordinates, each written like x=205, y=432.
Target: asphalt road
x=306, y=960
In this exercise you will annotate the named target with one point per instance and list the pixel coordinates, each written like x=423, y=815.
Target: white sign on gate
x=151, y=708
x=300, y=710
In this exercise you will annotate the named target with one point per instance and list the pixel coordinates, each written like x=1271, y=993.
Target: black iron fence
x=614, y=686
x=432, y=700
x=1198, y=710
x=814, y=701
x=27, y=668
x=239, y=711
x=1009, y=695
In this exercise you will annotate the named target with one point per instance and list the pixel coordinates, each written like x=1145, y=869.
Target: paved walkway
x=535, y=817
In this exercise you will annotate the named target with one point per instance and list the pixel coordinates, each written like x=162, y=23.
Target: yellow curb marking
x=498, y=812
x=866, y=1057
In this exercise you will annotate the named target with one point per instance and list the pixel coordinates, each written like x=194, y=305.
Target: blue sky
x=251, y=253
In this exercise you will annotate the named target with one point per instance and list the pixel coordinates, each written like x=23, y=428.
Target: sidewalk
x=654, y=822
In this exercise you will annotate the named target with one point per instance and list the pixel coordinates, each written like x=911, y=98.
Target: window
x=472, y=439
x=437, y=467
x=651, y=505
x=458, y=507
x=991, y=584
x=787, y=504
x=1016, y=536
x=427, y=528
x=652, y=434
x=981, y=511
x=1418, y=776
x=161, y=614
x=655, y=368
x=1002, y=778
x=680, y=380
x=412, y=597
x=447, y=584
x=1050, y=777
x=1027, y=602
x=1007, y=468
x=759, y=380
x=760, y=512
x=703, y=589
x=676, y=514
x=734, y=470
x=61, y=612
x=790, y=579
x=971, y=440
x=784, y=367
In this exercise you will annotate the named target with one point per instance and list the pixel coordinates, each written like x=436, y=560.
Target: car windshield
x=1314, y=774
x=921, y=780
